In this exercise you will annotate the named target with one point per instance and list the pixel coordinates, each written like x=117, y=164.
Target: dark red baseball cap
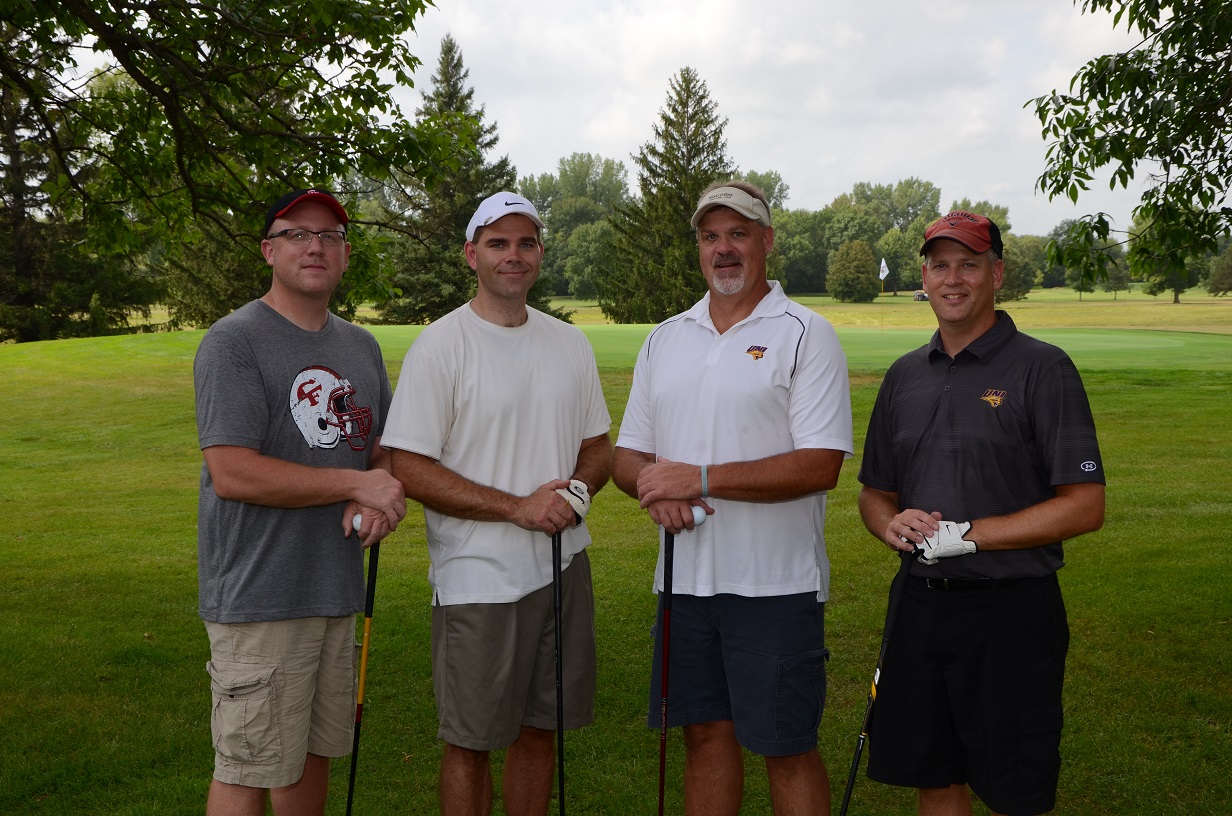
x=283, y=205
x=976, y=232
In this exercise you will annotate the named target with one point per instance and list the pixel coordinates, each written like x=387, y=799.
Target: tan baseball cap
x=749, y=206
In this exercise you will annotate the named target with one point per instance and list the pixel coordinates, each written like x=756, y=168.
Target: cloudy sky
x=828, y=94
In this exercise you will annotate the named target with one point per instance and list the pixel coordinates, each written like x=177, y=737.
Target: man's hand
x=380, y=491
x=947, y=542
x=676, y=516
x=545, y=511
x=907, y=530
x=666, y=479
x=374, y=524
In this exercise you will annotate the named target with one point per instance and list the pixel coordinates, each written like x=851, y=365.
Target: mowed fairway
x=104, y=701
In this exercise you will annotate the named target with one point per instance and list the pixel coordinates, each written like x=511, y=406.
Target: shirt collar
x=773, y=304
x=986, y=346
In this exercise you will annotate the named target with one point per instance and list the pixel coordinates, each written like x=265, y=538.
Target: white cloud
x=826, y=93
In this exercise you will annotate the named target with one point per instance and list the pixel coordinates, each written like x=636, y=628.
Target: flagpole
x=883, y=274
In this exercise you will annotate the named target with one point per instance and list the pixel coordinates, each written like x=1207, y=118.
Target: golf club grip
x=669, y=552
x=898, y=586
x=374, y=553
x=557, y=603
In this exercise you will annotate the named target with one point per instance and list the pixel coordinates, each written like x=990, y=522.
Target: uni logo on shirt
x=994, y=397
x=756, y=352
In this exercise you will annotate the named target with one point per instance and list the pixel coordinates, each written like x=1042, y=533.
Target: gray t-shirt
x=314, y=398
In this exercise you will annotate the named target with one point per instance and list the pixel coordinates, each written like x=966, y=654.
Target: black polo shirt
x=989, y=432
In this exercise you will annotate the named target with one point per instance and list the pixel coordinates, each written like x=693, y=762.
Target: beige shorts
x=281, y=690
x=494, y=665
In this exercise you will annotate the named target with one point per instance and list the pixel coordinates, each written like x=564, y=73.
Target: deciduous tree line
x=142, y=183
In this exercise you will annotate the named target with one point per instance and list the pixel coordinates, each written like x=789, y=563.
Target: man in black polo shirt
x=981, y=453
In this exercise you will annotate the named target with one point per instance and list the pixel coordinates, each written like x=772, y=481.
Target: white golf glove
x=948, y=541
x=578, y=496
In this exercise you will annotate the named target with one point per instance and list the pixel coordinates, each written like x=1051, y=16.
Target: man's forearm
x=245, y=475
x=435, y=486
x=781, y=477
x=776, y=478
x=1076, y=509
x=877, y=509
x=627, y=464
x=594, y=463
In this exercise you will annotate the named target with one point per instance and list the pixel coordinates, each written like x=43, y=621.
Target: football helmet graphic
x=323, y=405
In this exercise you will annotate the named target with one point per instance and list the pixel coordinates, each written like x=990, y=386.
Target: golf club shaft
x=897, y=587
x=373, y=554
x=560, y=675
x=669, y=548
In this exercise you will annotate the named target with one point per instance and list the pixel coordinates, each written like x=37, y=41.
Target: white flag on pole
x=885, y=270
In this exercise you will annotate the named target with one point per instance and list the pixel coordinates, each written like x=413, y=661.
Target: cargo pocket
x=244, y=723
x=800, y=694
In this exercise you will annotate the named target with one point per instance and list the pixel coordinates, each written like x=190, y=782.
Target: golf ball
x=357, y=522
x=699, y=516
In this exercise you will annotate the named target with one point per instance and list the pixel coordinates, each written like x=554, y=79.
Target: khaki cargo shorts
x=281, y=690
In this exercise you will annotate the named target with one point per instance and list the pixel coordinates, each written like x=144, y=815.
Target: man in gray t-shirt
x=291, y=401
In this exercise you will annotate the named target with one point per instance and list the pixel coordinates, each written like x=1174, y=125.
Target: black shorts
x=970, y=693
x=759, y=662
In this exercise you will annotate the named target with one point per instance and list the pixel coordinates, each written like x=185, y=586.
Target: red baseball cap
x=283, y=205
x=976, y=232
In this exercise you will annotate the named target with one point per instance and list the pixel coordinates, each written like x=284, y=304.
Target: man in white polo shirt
x=498, y=409
x=741, y=406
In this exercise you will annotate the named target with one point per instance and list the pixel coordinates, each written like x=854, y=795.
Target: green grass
x=104, y=698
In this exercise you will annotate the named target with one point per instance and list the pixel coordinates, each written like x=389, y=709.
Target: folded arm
x=669, y=490
x=1074, y=510
x=447, y=491
x=246, y=475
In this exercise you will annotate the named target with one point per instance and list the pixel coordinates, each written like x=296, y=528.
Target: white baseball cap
x=496, y=207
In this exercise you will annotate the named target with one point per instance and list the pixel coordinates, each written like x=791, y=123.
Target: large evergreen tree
x=54, y=281
x=430, y=268
x=203, y=113
x=653, y=270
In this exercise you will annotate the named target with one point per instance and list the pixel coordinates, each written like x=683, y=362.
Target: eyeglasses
x=302, y=237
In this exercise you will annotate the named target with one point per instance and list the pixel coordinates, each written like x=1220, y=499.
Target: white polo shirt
x=773, y=383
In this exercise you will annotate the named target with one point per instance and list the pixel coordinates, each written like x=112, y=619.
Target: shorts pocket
x=1039, y=760
x=244, y=721
x=800, y=694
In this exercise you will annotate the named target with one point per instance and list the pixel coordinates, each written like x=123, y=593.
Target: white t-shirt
x=507, y=408
x=773, y=383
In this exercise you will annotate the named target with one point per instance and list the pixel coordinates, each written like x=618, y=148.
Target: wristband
x=705, y=484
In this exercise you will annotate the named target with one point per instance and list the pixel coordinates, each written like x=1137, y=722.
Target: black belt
x=958, y=584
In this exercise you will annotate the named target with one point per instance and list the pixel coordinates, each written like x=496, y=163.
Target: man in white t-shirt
x=497, y=416
x=741, y=406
